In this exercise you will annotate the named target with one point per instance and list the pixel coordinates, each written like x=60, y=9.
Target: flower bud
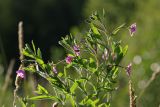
x=132, y=29
x=128, y=69
x=76, y=50
x=69, y=59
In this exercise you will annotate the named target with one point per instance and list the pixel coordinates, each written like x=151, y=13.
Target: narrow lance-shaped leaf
x=27, y=53
x=43, y=97
x=74, y=87
x=39, y=54
x=115, y=31
x=29, y=49
x=125, y=50
x=34, y=48
x=41, y=89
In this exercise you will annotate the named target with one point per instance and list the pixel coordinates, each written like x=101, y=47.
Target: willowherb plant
x=90, y=69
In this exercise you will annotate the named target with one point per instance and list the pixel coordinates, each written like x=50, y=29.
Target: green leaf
x=71, y=100
x=42, y=74
x=30, y=68
x=99, y=25
x=60, y=74
x=56, y=82
x=119, y=52
x=65, y=71
x=34, y=48
x=67, y=42
x=115, y=31
x=125, y=50
x=95, y=102
x=94, y=29
x=43, y=97
x=80, y=81
x=27, y=53
x=39, y=54
x=22, y=103
x=41, y=89
x=29, y=49
x=74, y=87
x=40, y=61
x=115, y=73
x=92, y=65
x=92, y=103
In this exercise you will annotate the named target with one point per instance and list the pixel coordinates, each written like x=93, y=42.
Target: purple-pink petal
x=69, y=59
x=76, y=50
x=128, y=69
x=132, y=29
x=21, y=73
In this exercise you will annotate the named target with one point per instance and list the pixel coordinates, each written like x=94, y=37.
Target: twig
x=55, y=104
x=20, y=39
x=15, y=91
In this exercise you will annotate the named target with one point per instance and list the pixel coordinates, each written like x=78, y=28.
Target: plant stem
x=132, y=96
x=20, y=39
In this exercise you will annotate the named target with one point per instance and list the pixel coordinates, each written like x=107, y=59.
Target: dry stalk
x=132, y=96
x=20, y=39
x=21, y=43
x=55, y=104
x=7, y=79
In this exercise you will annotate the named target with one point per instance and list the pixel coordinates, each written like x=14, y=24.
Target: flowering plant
x=90, y=69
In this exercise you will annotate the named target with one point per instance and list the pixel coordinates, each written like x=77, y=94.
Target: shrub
x=90, y=69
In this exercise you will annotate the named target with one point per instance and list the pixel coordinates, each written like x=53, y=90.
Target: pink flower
x=21, y=73
x=76, y=50
x=69, y=59
x=132, y=29
x=128, y=69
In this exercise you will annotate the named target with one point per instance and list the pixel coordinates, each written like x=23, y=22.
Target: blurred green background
x=46, y=21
